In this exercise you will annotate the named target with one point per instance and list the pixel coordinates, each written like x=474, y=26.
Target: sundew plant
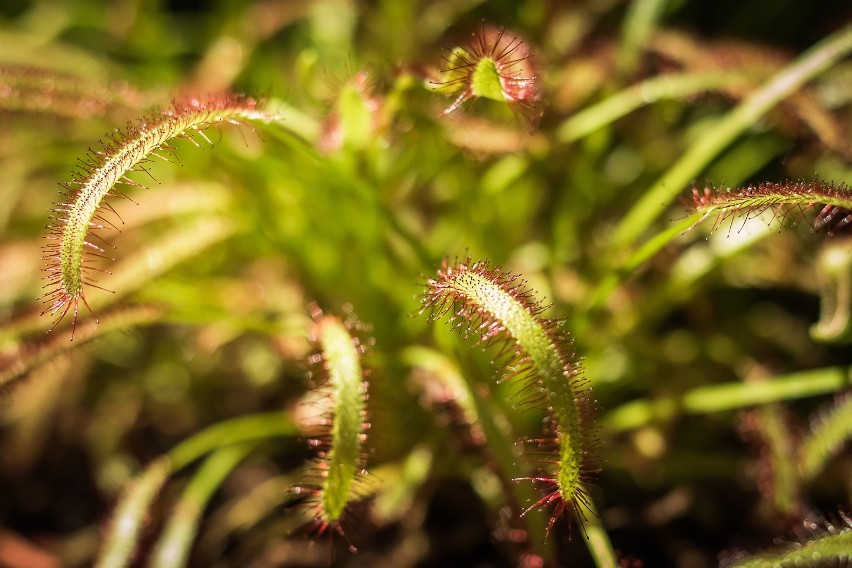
x=432, y=284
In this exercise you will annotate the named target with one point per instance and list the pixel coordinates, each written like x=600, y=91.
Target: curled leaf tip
x=493, y=64
x=340, y=429
x=782, y=199
x=498, y=308
x=74, y=243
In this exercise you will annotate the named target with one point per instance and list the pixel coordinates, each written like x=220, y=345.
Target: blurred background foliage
x=352, y=199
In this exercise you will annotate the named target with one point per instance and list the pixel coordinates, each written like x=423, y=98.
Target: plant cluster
x=242, y=334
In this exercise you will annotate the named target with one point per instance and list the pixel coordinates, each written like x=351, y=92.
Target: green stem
x=123, y=532
x=173, y=547
x=730, y=396
x=662, y=87
x=646, y=251
x=656, y=243
x=642, y=16
x=233, y=431
x=598, y=541
x=810, y=64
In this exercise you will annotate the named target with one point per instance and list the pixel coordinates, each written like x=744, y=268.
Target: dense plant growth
x=231, y=340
